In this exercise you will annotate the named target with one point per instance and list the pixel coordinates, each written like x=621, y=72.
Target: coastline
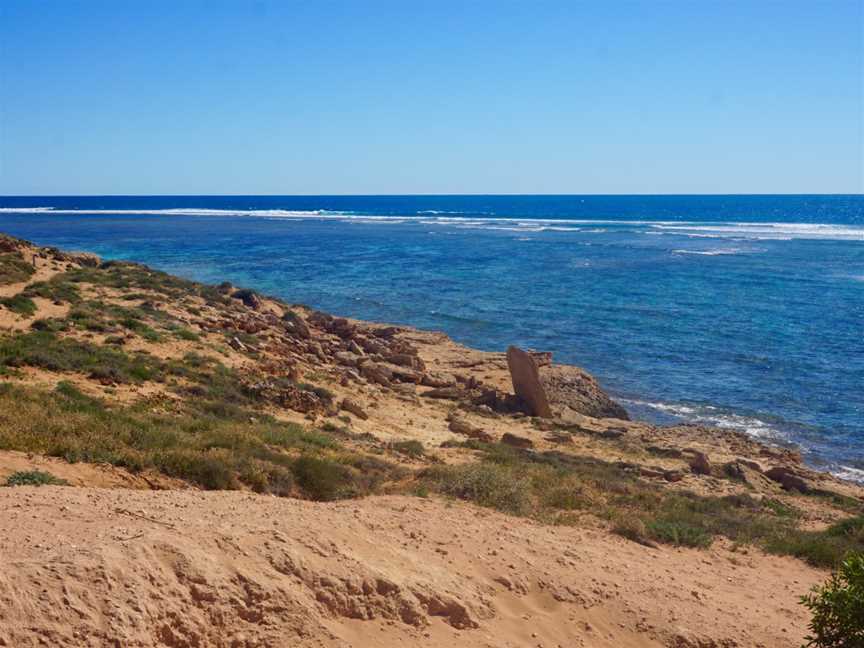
x=121, y=377
x=721, y=330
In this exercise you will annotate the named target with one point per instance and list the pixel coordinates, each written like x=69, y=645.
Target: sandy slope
x=114, y=567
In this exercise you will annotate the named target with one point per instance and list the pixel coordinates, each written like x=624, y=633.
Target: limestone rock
x=347, y=358
x=743, y=470
x=237, y=345
x=526, y=382
x=85, y=259
x=249, y=298
x=352, y=406
x=437, y=380
x=698, y=461
x=452, y=393
x=572, y=387
x=516, y=441
x=406, y=360
x=296, y=325
x=376, y=373
x=789, y=479
x=460, y=426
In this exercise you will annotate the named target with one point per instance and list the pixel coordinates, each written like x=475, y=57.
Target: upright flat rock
x=526, y=382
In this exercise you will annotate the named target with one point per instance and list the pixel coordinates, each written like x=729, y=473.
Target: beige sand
x=99, y=567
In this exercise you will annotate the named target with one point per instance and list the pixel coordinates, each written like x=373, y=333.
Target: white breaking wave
x=710, y=415
x=182, y=211
x=25, y=210
x=778, y=231
x=734, y=230
x=716, y=251
x=757, y=428
x=849, y=473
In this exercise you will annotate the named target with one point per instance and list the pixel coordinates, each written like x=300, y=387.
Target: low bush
x=495, y=486
x=207, y=443
x=320, y=478
x=19, y=304
x=58, y=289
x=549, y=485
x=45, y=350
x=14, y=269
x=837, y=607
x=34, y=478
x=824, y=548
x=411, y=448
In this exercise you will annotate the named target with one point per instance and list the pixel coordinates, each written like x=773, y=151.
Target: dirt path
x=94, y=567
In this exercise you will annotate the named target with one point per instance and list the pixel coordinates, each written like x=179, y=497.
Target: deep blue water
x=741, y=311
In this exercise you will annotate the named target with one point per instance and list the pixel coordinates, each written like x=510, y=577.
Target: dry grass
x=550, y=486
x=211, y=445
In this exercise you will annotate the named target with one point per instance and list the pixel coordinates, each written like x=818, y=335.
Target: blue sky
x=183, y=97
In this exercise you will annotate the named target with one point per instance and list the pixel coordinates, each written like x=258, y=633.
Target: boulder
x=376, y=373
x=405, y=389
x=249, y=298
x=452, y=393
x=296, y=325
x=460, y=426
x=574, y=388
x=789, y=479
x=744, y=472
x=347, y=358
x=698, y=461
x=403, y=374
x=352, y=406
x=341, y=327
x=317, y=350
x=386, y=332
x=85, y=259
x=516, y=441
x=435, y=379
x=557, y=436
x=526, y=382
x=237, y=345
x=406, y=360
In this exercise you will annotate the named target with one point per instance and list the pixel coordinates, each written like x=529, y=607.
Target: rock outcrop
x=576, y=389
x=547, y=390
x=526, y=382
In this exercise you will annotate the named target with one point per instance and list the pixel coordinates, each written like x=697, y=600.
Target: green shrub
x=838, y=607
x=210, y=444
x=19, y=304
x=320, y=478
x=497, y=487
x=185, y=334
x=411, y=448
x=57, y=288
x=34, y=478
x=824, y=548
x=14, y=269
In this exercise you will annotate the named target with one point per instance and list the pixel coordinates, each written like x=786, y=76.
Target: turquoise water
x=740, y=311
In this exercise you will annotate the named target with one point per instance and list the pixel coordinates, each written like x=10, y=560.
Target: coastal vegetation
x=557, y=487
x=14, y=268
x=187, y=415
x=838, y=607
x=34, y=478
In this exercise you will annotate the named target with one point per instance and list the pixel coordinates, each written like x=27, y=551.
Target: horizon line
x=417, y=195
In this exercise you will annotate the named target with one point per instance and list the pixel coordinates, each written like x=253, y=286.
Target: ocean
x=743, y=312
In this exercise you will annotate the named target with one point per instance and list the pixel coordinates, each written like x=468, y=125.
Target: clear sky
x=410, y=96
